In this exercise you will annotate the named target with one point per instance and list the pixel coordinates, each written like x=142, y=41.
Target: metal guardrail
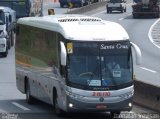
x=147, y=95
x=87, y=8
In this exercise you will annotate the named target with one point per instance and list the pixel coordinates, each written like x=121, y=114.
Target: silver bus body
x=60, y=60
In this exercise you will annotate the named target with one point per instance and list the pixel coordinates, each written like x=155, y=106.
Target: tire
x=4, y=54
x=107, y=11
x=157, y=16
x=122, y=11
x=58, y=111
x=86, y=3
x=32, y=14
x=9, y=44
x=29, y=98
x=12, y=38
x=134, y=16
x=80, y=4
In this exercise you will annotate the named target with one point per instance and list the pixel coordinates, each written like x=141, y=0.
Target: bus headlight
x=70, y=105
x=73, y=95
x=130, y=104
x=127, y=95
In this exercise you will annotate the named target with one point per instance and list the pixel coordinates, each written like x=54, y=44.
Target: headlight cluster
x=127, y=95
x=73, y=95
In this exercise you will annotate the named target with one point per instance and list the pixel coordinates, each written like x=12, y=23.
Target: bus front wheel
x=29, y=98
x=58, y=111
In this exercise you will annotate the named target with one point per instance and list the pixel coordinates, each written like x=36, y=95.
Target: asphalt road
x=14, y=106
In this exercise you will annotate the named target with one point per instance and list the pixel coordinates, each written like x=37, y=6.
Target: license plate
x=101, y=107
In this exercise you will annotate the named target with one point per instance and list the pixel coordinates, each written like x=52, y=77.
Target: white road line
x=20, y=106
x=150, y=33
x=142, y=116
x=98, y=13
x=120, y=19
x=148, y=69
x=129, y=14
x=125, y=17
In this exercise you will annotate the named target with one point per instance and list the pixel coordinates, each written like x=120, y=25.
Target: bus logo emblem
x=101, y=99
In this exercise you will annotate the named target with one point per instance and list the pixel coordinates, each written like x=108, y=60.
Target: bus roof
x=79, y=27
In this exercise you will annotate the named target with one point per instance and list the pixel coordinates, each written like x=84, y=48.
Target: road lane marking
x=98, y=13
x=150, y=33
x=148, y=69
x=125, y=17
x=140, y=115
x=20, y=106
x=129, y=14
x=120, y=19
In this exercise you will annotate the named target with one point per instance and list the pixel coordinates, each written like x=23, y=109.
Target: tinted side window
x=36, y=47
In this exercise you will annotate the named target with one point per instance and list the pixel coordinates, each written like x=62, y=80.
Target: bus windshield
x=100, y=64
x=2, y=18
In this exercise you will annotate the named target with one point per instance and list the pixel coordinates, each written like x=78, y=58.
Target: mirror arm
x=138, y=53
x=63, y=54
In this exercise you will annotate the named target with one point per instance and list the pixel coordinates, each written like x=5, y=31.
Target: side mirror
x=138, y=53
x=63, y=54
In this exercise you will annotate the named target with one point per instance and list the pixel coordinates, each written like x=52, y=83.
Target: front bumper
x=78, y=106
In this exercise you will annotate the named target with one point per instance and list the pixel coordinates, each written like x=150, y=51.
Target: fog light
x=70, y=105
x=130, y=104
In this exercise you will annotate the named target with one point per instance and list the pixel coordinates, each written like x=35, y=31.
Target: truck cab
x=7, y=24
x=3, y=33
x=116, y=5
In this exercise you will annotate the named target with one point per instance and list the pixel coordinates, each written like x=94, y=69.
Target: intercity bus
x=24, y=8
x=75, y=63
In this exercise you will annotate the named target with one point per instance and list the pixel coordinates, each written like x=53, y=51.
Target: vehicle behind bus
x=75, y=3
x=24, y=8
x=65, y=61
x=7, y=27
